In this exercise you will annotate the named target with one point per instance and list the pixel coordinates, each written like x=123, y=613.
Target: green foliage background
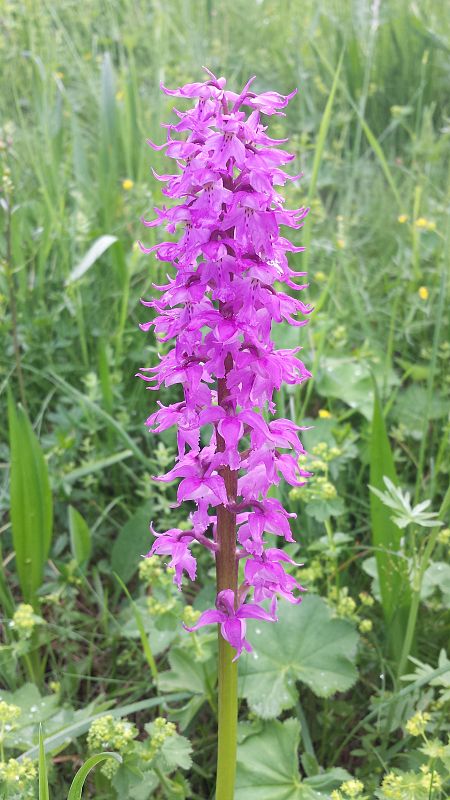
x=370, y=128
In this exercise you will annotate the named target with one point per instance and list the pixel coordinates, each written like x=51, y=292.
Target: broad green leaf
x=321, y=509
x=392, y=567
x=130, y=782
x=93, y=254
x=80, y=537
x=91, y=467
x=76, y=788
x=349, y=380
x=161, y=638
x=413, y=405
x=186, y=674
x=131, y=544
x=43, y=779
x=306, y=644
x=267, y=766
x=31, y=502
x=175, y=751
x=437, y=576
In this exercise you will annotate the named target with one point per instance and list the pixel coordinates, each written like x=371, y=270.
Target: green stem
x=227, y=578
x=416, y=235
x=417, y=587
x=227, y=722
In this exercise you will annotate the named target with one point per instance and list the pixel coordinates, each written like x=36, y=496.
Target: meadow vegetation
x=348, y=695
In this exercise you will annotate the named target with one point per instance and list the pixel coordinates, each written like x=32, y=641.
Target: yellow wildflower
x=352, y=788
x=366, y=599
x=365, y=626
x=417, y=724
x=190, y=616
x=402, y=219
x=423, y=293
x=120, y=95
x=127, y=184
x=425, y=224
x=18, y=774
x=8, y=713
x=320, y=276
x=340, y=243
x=24, y=619
x=324, y=414
x=444, y=536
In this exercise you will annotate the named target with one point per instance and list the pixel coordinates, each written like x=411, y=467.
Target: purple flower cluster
x=229, y=260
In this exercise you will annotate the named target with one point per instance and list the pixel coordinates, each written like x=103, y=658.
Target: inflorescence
x=230, y=261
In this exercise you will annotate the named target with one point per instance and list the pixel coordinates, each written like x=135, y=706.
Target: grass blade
x=377, y=149
x=140, y=626
x=96, y=466
x=93, y=254
x=58, y=381
x=31, y=502
x=80, y=537
x=320, y=146
x=392, y=567
x=43, y=778
x=76, y=788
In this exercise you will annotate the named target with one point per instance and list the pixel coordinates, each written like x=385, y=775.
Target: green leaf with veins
x=267, y=765
x=306, y=644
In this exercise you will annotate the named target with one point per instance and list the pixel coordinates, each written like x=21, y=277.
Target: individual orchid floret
x=268, y=578
x=175, y=543
x=232, y=622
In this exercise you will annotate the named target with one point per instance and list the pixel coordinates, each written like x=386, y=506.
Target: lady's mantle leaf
x=306, y=645
x=267, y=766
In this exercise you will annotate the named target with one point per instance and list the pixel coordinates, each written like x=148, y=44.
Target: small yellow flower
x=24, y=619
x=365, y=625
x=352, y=788
x=127, y=184
x=444, y=536
x=120, y=95
x=340, y=244
x=425, y=224
x=59, y=75
x=320, y=277
x=190, y=616
x=402, y=219
x=8, y=713
x=423, y=293
x=324, y=414
x=417, y=724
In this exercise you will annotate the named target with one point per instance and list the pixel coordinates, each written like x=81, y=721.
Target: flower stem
x=227, y=722
x=227, y=578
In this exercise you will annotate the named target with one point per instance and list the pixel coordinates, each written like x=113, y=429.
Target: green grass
x=369, y=127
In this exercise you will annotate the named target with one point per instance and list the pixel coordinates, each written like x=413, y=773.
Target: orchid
x=231, y=620
x=219, y=307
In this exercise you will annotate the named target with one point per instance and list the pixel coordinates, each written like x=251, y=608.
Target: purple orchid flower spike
x=232, y=622
x=218, y=307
